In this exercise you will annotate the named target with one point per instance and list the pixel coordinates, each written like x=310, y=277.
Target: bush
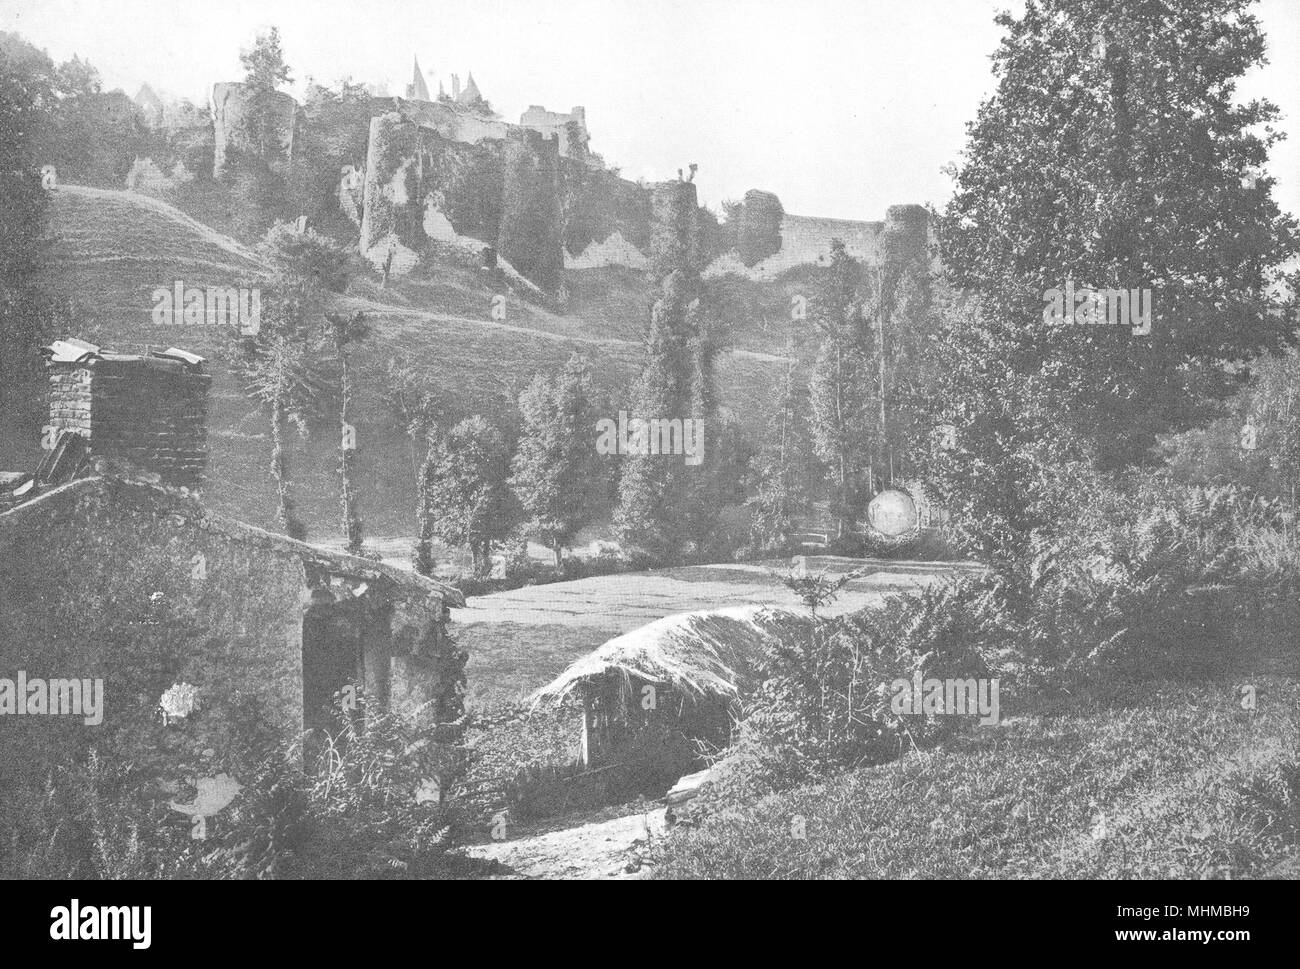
x=824, y=703
x=1148, y=582
x=360, y=808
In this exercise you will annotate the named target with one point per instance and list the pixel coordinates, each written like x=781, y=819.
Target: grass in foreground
x=1172, y=781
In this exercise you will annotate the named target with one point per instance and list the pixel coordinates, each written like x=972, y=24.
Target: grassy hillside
x=112, y=249
x=1175, y=780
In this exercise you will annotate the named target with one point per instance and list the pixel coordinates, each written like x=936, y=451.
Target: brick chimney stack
x=148, y=409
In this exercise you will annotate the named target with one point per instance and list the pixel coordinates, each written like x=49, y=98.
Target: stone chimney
x=146, y=408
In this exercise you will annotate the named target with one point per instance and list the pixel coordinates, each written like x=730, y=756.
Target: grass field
x=519, y=640
x=111, y=249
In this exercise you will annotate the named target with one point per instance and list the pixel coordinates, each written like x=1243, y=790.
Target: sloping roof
x=712, y=653
x=73, y=351
x=190, y=510
x=419, y=90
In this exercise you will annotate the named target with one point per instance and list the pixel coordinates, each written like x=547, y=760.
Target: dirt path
x=605, y=850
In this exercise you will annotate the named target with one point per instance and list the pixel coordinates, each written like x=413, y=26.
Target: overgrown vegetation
x=363, y=805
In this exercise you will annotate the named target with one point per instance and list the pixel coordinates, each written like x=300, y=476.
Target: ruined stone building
x=232, y=104
x=114, y=569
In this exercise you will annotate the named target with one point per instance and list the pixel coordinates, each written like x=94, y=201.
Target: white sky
x=841, y=107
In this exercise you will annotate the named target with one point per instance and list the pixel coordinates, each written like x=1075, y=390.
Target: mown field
x=519, y=640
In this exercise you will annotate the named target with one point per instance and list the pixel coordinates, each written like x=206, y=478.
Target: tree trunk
x=347, y=455
x=280, y=468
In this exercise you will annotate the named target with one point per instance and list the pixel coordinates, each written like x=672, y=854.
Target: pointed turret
x=470, y=94
x=417, y=90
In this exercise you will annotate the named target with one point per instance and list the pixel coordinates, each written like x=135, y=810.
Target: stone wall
x=675, y=239
x=806, y=240
x=548, y=123
x=232, y=103
x=438, y=174
x=149, y=412
x=606, y=218
x=137, y=585
x=529, y=237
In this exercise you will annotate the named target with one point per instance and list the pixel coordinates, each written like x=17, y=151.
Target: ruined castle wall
x=392, y=209
x=420, y=186
x=906, y=234
x=556, y=123
x=451, y=121
x=675, y=228
x=606, y=219
x=232, y=105
x=351, y=193
x=806, y=240
x=430, y=179
x=529, y=237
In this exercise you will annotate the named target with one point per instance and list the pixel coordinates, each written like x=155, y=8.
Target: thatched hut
x=651, y=697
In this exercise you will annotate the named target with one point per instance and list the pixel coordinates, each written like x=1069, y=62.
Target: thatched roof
x=700, y=654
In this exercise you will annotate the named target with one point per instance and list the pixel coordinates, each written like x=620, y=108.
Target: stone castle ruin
x=806, y=240
x=438, y=173
x=232, y=104
x=570, y=128
x=444, y=171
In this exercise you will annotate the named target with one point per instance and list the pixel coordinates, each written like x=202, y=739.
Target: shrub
x=824, y=703
x=1148, y=582
x=359, y=808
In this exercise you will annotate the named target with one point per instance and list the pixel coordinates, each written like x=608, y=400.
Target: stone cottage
x=111, y=569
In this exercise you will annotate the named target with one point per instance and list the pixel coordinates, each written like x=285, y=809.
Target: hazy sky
x=841, y=107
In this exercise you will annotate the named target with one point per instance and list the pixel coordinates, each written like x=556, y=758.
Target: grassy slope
x=1176, y=780
x=112, y=249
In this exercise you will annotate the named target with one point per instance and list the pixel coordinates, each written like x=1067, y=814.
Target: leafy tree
x=782, y=469
x=277, y=371
x=416, y=404
x=910, y=373
x=465, y=497
x=844, y=420
x=557, y=473
x=1274, y=408
x=345, y=330
x=660, y=511
x=264, y=71
x=336, y=132
x=1012, y=466
x=285, y=363
x=27, y=93
x=1115, y=153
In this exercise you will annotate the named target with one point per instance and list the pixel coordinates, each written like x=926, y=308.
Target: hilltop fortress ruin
x=446, y=171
